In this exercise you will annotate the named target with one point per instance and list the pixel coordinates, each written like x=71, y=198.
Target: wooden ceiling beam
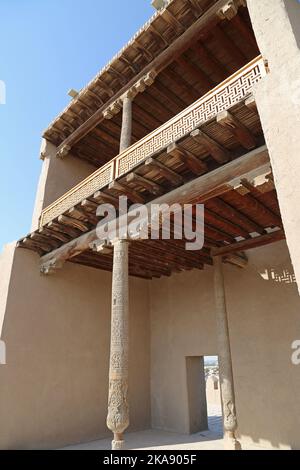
x=43, y=240
x=146, y=117
x=106, y=137
x=219, y=221
x=251, y=104
x=239, y=130
x=158, y=37
x=229, y=46
x=169, y=246
x=195, y=7
x=205, y=22
x=95, y=140
x=69, y=231
x=74, y=223
x=40, y=248
x=201, y=78
x=174, y=79
x=80, y=214
x=250, y=203
x=105, y=87
x=249, y=244
x=170, y=175
x=218, y=153
x=168, y=94
x=237, y=216
x=96, y=98
x=144, y=51
x=132, y=195
x=210, y=61
x=146, y=183
x=190, y=192
x=172, y=21
x=89, y=206
x=217, y=234
x=149, y=101
x=245, y=32
x=53, y=234
x=197, y=166
x=101, y=197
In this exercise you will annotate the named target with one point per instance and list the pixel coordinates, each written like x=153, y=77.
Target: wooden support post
x=118, y=409
x=225, y=363
x=126, y=131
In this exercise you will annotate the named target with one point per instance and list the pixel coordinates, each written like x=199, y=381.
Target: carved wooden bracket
x=103, y=247
x=239, y=260
x=230, y=10
x=262, y=181
x=51, y=266
x=139, y=87
x=64, y=151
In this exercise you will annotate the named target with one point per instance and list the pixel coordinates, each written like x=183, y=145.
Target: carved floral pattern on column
x=230, y=421
x=118, y=410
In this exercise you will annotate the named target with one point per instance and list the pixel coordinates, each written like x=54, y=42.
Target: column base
x=231, y=443
x=118, y=445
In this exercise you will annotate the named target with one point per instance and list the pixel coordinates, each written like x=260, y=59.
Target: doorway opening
x=213, y=395
x=204, y=398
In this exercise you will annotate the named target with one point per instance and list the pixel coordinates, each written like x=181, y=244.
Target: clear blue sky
x=47, y=47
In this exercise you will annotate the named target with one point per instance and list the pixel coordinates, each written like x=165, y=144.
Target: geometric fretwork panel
x=223, y=97
x=97, y=180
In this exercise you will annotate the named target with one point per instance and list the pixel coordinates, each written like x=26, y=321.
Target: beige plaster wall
x=53, y=390
x=57, y=177
x=276, y=24
x=6, y=261
x=264, y=319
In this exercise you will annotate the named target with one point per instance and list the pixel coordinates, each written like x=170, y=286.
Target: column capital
x=116, y=241
x=129, y=94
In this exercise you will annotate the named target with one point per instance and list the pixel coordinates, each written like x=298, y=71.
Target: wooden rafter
x=183, y=42
x=192, y=191
x=249, y=244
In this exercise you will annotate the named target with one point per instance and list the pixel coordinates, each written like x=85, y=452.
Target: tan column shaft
x=126, y=131
x=225, y=363
x=118, y=410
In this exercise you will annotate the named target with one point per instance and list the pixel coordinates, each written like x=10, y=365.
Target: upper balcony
x=196, y=137
x=214, y=129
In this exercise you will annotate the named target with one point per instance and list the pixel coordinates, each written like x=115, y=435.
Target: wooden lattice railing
x=230, y=92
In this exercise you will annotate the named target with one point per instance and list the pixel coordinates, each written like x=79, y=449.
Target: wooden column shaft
x=118, y=410
x=225, y=362
x=126, y=131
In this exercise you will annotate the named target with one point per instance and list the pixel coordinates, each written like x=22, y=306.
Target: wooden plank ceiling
x=231, y=217
x=214, y=56
x=246, y=214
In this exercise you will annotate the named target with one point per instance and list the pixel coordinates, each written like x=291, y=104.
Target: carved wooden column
x=225, y=363
x=118, y=410
x=126, y=131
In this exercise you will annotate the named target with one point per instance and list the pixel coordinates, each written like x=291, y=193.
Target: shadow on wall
x=263, y=309
x=283, y=275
